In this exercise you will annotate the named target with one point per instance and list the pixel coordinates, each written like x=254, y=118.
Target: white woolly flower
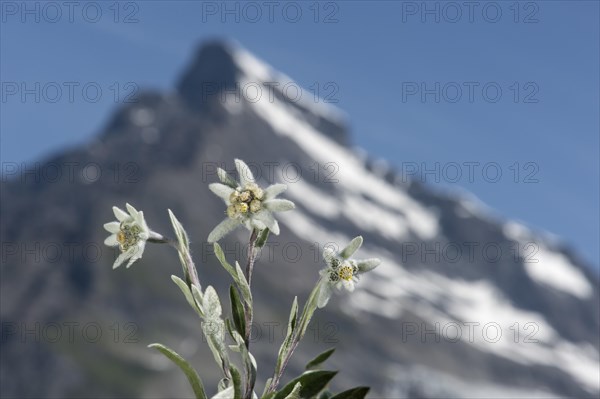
x=341, y=271
x=247, y=203
x=130, y=233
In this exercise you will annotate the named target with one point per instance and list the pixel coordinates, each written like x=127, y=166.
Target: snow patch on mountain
x=547, y=267
x=486, y=318
x=315, y=200
x=258, y=71
x=432, y=383
x=352, y=176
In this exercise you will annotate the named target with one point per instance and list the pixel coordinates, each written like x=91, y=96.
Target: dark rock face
x=398, y=333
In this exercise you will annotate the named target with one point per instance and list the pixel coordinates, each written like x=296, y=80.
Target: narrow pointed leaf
x=267, y=385
x=295, y=394
x=262, y=238
x=187, y=369
x=326, y=394
x=320, y=359
x=182, y=236
x=187, y=293
x=287, y=341
x=312, y=383
x=236, y=273
x=248, y=359
x=237, y=383
x=237, y=311
x=309, y=308
x=197, y=294
x=354, y=393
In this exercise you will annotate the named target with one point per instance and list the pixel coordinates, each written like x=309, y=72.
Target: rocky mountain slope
x=463, y=305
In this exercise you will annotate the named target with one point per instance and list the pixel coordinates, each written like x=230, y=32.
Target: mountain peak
x=213, y=69
x=223, y=71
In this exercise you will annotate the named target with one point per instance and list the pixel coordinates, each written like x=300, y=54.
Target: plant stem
x=298, y=334
x=249, y=268
x=249, y=313
x=288, y=356
x=251, y=255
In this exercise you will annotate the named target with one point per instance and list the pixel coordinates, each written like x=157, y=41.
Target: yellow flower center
x=346, y=273
x=247, y=200
x=128, y=236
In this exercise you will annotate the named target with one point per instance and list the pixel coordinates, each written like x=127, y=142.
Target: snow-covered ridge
x=256, y=70
x=390, y=289
x=396, y=212
x=547, y=267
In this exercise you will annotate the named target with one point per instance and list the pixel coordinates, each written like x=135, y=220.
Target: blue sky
x=527, y=74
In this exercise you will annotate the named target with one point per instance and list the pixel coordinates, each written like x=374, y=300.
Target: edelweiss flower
x=130, y=234
x=341, y=271
x=247, y=203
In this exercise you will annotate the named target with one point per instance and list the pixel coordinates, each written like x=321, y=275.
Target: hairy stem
x=297, y=335
x=249, y=313
x=286, y=360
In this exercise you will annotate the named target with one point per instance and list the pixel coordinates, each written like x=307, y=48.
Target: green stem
x=298, y=334
x=249, y=313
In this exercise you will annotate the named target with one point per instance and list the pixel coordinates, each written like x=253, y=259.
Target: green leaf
x=180, y=233
x=211, y=303
x=248, y=359
x=309, y=309
x=293, y=315
x=237, y=311
x=312, y=383
x=354, y=393
x=262, y=238
x=237, y=383
x=236, y=273
x=183, y=249
x=285, y=345
x=267, y=385
x=188, y=370
x=214, y=330
x=295, y=394
x=326, y=394
x=352, y=247
x=197, y=294
x=243, y=284
x=320, y=359
x=188, y=294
